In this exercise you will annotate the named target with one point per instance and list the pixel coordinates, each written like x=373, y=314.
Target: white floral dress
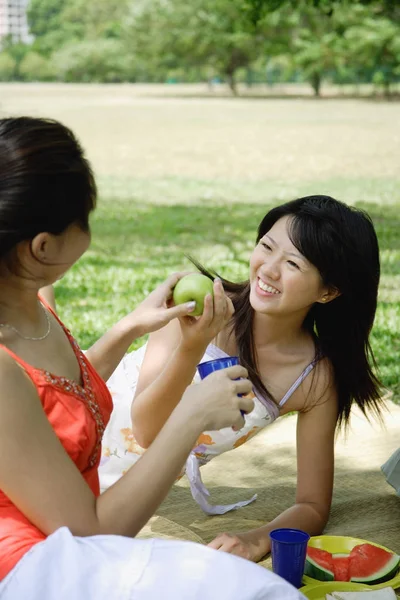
x=120, y=449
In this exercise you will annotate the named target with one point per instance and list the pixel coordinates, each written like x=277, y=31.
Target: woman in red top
x=59, y=538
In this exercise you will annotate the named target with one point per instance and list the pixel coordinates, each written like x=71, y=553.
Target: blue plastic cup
x=210, y=366
x=288, y=552
x=217, y=364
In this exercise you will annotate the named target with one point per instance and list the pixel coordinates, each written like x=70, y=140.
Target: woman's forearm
x=127, y=505
x=153, y=406
x=106, y=354
x=304, y=516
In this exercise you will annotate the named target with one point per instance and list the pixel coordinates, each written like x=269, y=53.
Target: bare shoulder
x=16, y=388
x=319, y=389
x=47, y=293
x=9, y=368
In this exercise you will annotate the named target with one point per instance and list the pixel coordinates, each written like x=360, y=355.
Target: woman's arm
x=315, y=467
x=44, y=483
x=151, y=315
x=170, y=362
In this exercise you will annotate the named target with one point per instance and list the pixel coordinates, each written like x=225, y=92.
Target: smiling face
x=282, y=281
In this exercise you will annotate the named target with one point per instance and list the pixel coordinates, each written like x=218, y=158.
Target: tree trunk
x=232, y=82
x=316, y=81
x=386, y=89
x=249, y=77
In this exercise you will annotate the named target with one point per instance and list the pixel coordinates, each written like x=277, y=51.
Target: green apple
x=193, y=287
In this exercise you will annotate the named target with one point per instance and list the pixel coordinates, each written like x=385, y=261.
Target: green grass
x=181, y=175
x=136, y=245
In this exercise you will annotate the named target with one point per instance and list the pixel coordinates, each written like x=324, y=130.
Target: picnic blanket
x=364, y=505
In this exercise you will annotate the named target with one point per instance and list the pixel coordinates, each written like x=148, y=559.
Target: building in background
x=13, y=20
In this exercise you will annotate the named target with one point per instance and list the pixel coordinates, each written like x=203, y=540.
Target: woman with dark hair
x=59, y=537
x=301, y=328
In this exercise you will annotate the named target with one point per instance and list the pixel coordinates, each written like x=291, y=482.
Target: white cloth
x=108, y=567
x=201, y=494
x=391, y=470
x=120, y=449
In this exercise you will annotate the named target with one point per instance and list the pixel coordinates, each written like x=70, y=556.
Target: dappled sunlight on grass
x=135, y=246
x=193, y=175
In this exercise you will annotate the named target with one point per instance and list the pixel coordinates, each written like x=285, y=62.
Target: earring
x=324, y=298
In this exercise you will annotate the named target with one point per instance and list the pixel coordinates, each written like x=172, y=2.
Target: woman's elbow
x=139, y=428
x=321, y=520
x=318, y=516
x=142, y=437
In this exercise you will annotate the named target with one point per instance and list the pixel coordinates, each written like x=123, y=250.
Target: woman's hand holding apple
x=217, y=312
x=215, y=401
x=156, y=310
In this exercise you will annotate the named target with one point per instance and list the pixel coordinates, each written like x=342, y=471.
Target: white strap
x=200, y=493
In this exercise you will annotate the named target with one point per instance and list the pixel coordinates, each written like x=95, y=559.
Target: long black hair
x=46, y=184
x=340, y=241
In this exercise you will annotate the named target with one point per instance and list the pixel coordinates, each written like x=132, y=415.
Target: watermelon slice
x=341, y=567
x=319, y=564
x=370, y=564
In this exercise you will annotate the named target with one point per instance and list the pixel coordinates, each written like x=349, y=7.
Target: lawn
x=179, y=174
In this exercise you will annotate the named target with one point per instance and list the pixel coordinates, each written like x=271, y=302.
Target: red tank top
x=78, y=415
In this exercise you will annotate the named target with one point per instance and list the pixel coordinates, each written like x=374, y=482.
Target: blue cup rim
x=214, y=360
x=305, y=536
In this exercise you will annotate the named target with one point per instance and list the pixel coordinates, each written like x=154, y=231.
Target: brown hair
x=46, y=183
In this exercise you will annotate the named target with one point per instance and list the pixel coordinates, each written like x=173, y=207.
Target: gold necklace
x=32, y=339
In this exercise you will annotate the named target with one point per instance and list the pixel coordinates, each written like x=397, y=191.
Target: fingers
x=223, y=306
x=243, y=386
x=220, y=304
x=171, y=281
x=217, y=543
x=236, y=372
x=179, y=311
x=246, y=404
x=225, y=542
x=208, y=311
x=238, y=423
x=230, y=309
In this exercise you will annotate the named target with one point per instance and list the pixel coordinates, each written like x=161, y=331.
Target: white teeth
x=267, y=288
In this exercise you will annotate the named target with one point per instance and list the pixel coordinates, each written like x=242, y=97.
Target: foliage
x=91, y=20
x=100, y=60
x=35, y=67
x=7, y=66
x=46, y=24
x=203, y=32
x=128, y=259
x=230, y=40
x=375, y=43
x=44, y=16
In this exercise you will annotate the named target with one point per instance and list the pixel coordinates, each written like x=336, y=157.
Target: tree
x=335, y=37
x=46, y=23
x=94, y=19
x=16, y=51
x=56, y=23
x=92, y=60
x=375, y=43
x=168, y=34
x=7, y=67
x=44, y=16
x=317, y=46
x=256, y=9
x=35, y=67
